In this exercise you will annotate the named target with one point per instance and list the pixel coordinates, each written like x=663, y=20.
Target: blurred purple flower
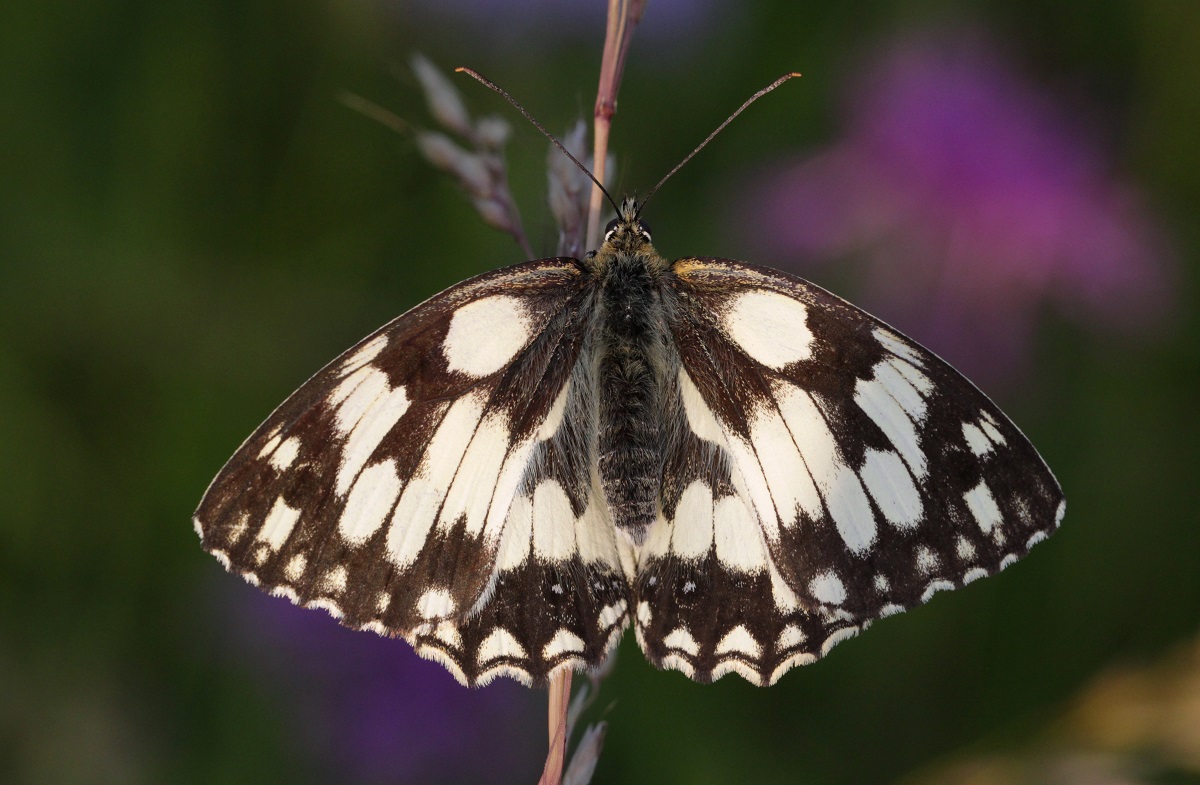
x=370, y=710
x=973, y=199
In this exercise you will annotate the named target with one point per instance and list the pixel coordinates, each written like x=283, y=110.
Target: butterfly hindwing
x=381, y=488
x=829, y=472
x=710, y=599
x=558, y=594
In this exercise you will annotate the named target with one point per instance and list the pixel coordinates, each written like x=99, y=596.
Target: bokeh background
x=191, y=223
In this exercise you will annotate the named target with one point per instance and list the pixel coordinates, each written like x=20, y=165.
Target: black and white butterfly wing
x=825, y=471
x=425, y=484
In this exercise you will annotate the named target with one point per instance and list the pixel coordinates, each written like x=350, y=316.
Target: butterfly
x=742, y=466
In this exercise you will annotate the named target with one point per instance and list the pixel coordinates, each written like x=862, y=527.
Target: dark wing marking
x=873, y=475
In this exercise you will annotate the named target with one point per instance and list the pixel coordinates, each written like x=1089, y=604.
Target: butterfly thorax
x=631, y=367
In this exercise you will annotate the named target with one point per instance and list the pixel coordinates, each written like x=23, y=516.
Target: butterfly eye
x=644, y=230
x=608, y=230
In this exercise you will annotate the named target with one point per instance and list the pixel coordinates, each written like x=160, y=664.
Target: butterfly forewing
x=381, y=489
x=829, y=472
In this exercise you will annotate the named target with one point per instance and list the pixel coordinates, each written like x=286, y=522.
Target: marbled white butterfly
x=744, y=466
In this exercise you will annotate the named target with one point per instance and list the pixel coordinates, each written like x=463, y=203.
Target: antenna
x=711, y=136
x=495, y=87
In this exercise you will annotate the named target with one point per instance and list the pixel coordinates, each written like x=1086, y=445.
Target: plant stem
x=560, y=695
x=623, y=16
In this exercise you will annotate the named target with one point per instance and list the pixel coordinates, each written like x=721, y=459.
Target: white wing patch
x=899, y=385
x=828, y=588
x=475, y=478
x=874, y=398
x=422, y=498
x=896, y=345
x=563, y=642
x=682, y=640
x=412, y=520
x=367, y=415
x=278, y=525
x=365, y=354
x=499, y=644
x=692, y=529
x=295, y=567
x=595, y=538
x=840, y=487
x=436, y=603
x=750, y=479
x=982, y=436
x=739, y=641
x=553, y=523
x=699, y=417
x=738, y=539
x=892, y=488
x=542, y=526
x=285, y=454
x=334, y=582
x=370, y=502
x=611, y=615
x=789, y=483
x=977, y=441
x=485, y=335
x=983, y=506
x=770, y=327
x=516, y=542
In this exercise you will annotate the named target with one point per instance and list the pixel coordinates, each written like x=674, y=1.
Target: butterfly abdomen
x=631, y=373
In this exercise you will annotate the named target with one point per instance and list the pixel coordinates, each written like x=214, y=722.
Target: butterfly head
x=627, y=230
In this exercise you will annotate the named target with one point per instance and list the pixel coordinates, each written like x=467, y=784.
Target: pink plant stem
x=623, y=16
x=560, y=695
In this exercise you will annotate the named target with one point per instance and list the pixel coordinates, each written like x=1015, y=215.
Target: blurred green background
x=191, y=224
